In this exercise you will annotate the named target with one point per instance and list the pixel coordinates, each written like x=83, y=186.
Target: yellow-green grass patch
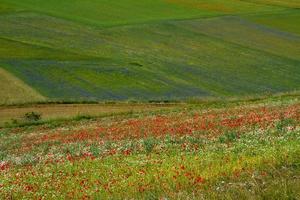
x=13, y=90
x=285, y=21
x=66, y=111
x=225, y=7
x=283, y=3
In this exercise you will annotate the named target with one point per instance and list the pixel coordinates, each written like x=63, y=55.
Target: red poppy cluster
x=210, y=124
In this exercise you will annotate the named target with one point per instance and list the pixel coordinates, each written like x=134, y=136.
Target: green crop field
x=143, y=50
x=286, y=21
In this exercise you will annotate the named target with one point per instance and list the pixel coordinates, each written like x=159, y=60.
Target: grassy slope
x=13, y=90
x=108, y=13
x=227, y=7
x=285, y=21
x=250, y=151
x=282, y=3
x=81, y=60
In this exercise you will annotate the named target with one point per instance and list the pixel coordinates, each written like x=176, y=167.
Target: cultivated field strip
x=105, y=13
x=178, y=49
x=144, y=61
x=285, y=21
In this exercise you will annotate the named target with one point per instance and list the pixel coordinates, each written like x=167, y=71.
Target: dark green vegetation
x=158, y=49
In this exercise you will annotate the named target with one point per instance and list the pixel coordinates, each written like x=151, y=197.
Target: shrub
x=14, y=122
x=32, y=116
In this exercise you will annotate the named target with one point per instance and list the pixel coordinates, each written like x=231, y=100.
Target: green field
x=144, y=50
x=285, y=21
x=108, y=13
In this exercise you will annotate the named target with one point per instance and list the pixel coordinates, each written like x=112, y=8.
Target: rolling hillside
x=158, y=49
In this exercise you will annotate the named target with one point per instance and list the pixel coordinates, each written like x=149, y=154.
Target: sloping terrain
x=237, y=150
x=101, y=50
x=284, y=3
x=286, y=21
x=13, y=90
x=111, y=13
